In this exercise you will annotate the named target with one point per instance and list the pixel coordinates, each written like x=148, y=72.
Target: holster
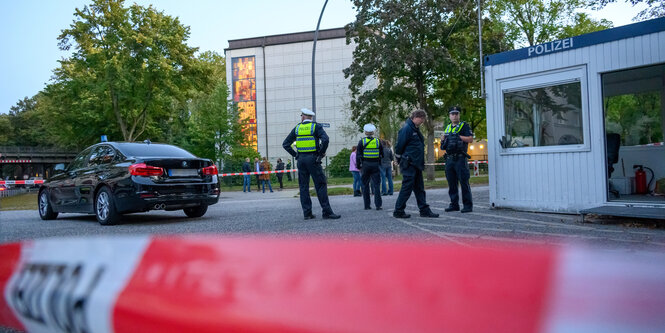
x=404, y=162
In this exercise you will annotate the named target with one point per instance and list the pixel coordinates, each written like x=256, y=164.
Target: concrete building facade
x=271, y=80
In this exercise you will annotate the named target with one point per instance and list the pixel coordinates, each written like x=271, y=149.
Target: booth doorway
x=634, y=126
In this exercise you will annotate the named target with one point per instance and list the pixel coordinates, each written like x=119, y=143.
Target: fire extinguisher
x=641, y=186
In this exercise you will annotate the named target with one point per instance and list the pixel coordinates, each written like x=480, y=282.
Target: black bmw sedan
x=113, y=178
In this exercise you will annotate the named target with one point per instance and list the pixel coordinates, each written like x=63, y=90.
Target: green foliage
x=234, y=161
x=339, y=164
x=583, y=24
x=5, y=130
x=531, y=22
x=636, y=117
x=130, y=70
x=420, y=54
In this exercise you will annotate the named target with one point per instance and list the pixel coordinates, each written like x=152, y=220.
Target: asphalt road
x=279, y=214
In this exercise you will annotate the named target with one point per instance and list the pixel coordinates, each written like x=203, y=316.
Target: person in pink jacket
x=355, y=172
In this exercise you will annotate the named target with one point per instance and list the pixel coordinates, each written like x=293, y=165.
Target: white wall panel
x=561, y=181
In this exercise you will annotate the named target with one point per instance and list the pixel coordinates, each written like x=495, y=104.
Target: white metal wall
x=288, y=71
x=561, y=181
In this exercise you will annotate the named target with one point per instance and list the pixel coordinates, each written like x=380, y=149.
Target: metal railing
x=12, y=192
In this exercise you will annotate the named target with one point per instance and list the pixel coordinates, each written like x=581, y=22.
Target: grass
x=27, y=201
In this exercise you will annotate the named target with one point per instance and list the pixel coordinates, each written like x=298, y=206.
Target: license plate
x=183, y=172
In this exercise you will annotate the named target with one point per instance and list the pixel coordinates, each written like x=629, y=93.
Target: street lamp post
x=316, y=36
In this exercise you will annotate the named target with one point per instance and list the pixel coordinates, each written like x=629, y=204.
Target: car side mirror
x=59, y=168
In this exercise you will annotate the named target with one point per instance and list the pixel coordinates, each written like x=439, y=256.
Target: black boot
x=401, y=215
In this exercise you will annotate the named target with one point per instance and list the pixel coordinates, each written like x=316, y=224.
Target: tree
x=533, y=22
x=213, y=128
x=26, y=124
x=399, y=45
x=131, y=67
x=583, y=24
x=419, y=54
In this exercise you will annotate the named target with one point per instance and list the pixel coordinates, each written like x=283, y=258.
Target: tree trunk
x=116, y=111
x=430, y=149
x=429, y=125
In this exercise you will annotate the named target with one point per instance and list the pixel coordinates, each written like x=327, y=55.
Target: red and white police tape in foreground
x=218, y=284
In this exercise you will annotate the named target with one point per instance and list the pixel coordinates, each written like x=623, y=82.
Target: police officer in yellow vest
x=456, y=137
x=368, y=160
x=311, y=142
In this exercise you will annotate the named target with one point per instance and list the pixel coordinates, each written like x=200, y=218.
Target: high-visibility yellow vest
x=371, y=149
x=454, y=130
x=305, y=142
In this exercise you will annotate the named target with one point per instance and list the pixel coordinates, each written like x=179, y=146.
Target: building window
x=244, y=94
x=549, y=115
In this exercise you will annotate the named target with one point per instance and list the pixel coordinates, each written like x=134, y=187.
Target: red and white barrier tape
x=15, y=161
x=21, y=182
x=213, y=284
x=652, y=144
x=256, y=173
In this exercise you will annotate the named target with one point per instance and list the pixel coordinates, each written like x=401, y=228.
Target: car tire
x=45, y=208
x=105, y=210
x=197, y=211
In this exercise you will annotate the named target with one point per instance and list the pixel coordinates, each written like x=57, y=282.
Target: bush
x=234, y=163
x=440, y=167
x=339, y=164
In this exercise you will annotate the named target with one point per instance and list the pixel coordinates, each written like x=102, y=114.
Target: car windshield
x=153, y=150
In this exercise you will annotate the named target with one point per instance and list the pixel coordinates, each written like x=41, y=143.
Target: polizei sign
x=557, y=45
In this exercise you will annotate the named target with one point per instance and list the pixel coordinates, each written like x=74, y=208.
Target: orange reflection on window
x=244, y=93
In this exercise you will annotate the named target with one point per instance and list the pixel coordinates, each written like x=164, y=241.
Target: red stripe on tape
x=9, y=258
x=208, y=285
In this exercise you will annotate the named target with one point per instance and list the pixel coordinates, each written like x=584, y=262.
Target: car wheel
x=197, y=211
x=105, y=207
x=45, y=209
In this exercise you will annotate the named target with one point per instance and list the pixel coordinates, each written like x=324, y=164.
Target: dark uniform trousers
x=412, y=180
x=457, y=170
x=307, y=167
x=371, y=170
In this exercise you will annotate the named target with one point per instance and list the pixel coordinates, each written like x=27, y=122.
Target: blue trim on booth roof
x=593, y=38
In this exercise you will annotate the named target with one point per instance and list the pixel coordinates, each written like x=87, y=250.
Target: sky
x=30, y=29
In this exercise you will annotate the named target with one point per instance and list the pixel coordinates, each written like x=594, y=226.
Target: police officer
x=456, y=138
x=311, y=142
x=410, y=153
x=368, y=160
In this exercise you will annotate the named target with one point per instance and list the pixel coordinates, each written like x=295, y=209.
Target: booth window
x=549, y=115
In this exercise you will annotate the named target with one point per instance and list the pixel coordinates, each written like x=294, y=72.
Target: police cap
x=307, y=112
x=369, y=128
x=455, y=109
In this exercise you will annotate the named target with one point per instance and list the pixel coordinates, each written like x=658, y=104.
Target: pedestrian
x=387, y=169
x=410, y=154
x=288, y=174
x=455, y=141
x=257, y=168
x=368, y=160
x=246, y=179
x=280, y=166
x=311, y=142
x=265, y=177
x=355, y=172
